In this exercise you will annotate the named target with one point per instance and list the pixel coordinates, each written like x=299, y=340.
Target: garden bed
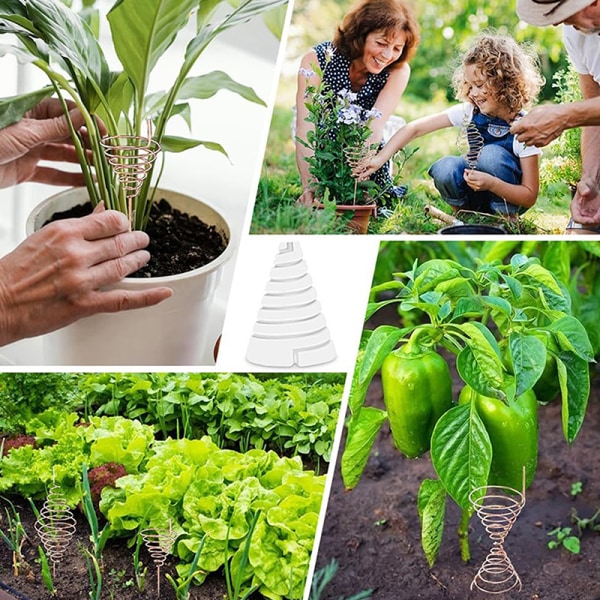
x=373, y=531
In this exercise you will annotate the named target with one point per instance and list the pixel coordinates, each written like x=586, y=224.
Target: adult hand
x=42, y=134
x=542, y=125
x=57, y=274
x=585, y=206
x=307, y=198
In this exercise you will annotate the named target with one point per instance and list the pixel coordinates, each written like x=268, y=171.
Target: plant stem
x=463, y=535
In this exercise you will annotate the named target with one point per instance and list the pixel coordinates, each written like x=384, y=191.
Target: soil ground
x=373, y=531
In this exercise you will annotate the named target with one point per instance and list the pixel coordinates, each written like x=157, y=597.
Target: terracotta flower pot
x=359, y=222
x=174, y=332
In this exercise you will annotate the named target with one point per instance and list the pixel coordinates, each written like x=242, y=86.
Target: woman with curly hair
x=369, y=57
x=496, y=80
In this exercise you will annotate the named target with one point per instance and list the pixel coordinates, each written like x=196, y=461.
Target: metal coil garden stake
x=55, y=526
x=131, y=157
x=356, y=157
x=159, y=543
x=470, y=143
x=498, y=508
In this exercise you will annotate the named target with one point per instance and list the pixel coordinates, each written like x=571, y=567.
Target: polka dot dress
x=336, y=73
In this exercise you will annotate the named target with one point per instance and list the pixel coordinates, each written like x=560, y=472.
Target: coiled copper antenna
x=357, y=157
x=469, y=142
x=159, y=543
x=131, y=158
x=497, y=508
x=55, y=526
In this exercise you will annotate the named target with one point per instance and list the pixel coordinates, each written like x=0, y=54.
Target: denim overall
x=496, y=158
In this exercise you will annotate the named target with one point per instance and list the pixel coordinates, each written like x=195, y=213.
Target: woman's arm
x=400, y=139
x=306, y=77
x=524, y=194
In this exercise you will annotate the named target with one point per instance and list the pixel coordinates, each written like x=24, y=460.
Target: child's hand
x=477, y=180
x=366, y=167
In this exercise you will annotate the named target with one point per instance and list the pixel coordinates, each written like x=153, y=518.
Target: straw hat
x=549, y=12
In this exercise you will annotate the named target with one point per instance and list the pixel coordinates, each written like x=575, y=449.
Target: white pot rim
x=31, y=226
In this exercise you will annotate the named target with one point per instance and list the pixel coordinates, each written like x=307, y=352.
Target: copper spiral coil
x=55, y=526
x=159, y=544
x=498, y=509
x=357, y=157
x=470, y=143
x=131, y=158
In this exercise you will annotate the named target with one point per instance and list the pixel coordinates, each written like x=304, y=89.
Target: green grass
x=276, y=210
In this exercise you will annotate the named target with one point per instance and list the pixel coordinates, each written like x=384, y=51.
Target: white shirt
x=584, y=51
x=463, y=113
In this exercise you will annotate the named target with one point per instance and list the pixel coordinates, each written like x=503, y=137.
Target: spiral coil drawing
x=131, y=158
x=470, y=143
x=357, y=157
x=159, y=543
x=497, y=508
x=55, y=526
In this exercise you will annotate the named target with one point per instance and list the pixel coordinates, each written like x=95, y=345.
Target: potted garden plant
x=119, y=105
x=338, y=140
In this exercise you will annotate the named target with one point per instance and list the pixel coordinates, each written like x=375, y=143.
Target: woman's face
x=382, y=49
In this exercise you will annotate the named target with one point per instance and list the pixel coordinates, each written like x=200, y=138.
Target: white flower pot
x=175, y=332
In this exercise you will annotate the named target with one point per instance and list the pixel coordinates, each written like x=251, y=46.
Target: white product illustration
x=290, y=328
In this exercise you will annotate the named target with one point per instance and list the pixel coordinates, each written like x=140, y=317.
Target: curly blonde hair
x=511, y=70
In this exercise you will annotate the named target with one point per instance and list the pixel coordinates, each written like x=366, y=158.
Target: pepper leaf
x=362, y=431
x=528, y=357
x=574, y=378
x=572, y=336
x=461, y=453
x=431, y=504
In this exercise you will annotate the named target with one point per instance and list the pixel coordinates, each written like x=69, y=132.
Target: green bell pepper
x=417, y=391
x=513, y=431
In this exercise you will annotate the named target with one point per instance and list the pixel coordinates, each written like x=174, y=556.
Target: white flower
x=306, y=72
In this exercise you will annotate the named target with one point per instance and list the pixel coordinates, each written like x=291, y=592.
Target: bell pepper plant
x=504, y=326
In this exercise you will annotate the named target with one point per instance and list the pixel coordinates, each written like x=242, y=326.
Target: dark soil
x=71, y=579
x=178, y=242
x=373, y=531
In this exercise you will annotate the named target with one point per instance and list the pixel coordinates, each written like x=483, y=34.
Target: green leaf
x=431, y=504
x=207, y=85
x=172, y=143
x=362, y=432
x=141, y=37
x=574, y=378
x=528, y=357
x=572, y=336
x=13, y=108
x=461, y=453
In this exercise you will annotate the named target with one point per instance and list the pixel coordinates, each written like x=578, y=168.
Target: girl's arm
x=524, y=194
x=306, y=77
x=402, y=137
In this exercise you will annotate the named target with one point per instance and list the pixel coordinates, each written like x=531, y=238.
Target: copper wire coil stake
x=131, y=158
x=55, y=526
x=470, y=143
x=159, y=543
x=497, y=508
x=357, y=156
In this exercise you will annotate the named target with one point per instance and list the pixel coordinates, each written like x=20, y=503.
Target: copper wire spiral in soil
x=159, y=544
x=131, y=158
x=498, y=509
x=55, y=526
x=357, y=156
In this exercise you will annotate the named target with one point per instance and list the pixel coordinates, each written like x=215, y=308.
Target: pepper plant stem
x=463, y=535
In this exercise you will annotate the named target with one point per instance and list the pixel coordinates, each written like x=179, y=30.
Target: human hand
x=57, y=275
x=42, y=134
x=366, y=167
x=307, y=198
x=478, y=181
x=541, y=125
x=585, y=206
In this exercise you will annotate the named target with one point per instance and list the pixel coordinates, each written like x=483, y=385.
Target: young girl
x=497, y=79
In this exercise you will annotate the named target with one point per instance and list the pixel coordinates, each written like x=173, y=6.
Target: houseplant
x=338, y=138
x=58, y=41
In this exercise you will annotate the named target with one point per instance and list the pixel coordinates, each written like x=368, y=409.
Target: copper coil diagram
x=55, y=526
x=159, y=543
x=290, y=328
x=497, y=509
